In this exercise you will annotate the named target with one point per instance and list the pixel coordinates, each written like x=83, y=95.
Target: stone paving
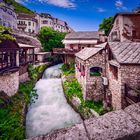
x=117, y=125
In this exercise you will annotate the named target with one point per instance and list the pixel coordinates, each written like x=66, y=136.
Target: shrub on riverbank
x=13, y=108
x=68, y=69
x=34, y=73
x=73, y=89
x=12, y=114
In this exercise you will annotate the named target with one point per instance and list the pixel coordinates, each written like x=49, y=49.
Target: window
x=71, y=46
x=29, y=23
x=134, y=34
x=95, y=71
x=114, y=71
x=29, y=30
x=45, y=22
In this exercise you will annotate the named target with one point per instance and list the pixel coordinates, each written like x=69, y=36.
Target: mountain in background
x=19, y=8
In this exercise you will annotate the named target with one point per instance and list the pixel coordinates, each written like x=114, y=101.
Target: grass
x=19, y=8
x=68, y=69
x=73, y=89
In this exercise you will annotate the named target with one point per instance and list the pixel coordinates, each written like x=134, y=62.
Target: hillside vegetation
x=19, y=8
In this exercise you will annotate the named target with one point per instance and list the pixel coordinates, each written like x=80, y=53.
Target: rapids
x=51, y=110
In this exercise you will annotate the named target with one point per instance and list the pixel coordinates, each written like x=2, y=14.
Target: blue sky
x=81, y=15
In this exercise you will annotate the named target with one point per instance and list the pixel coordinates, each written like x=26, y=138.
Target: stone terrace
x=121, y=124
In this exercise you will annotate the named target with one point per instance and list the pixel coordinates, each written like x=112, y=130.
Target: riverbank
x=74, y=95
x=13, y=110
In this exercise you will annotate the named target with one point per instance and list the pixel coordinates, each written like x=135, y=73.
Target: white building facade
x=27, y=23
x=8, y=16
x=46, y=20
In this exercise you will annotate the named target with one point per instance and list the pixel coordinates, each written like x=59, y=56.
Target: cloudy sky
x=81, y=15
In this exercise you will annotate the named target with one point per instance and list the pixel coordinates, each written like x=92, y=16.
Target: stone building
x=14, y=59
x=9, y=66
x=125, y=27
x=90, y=70
x=8, y=16
x=45, y=19
x=123, y=62
x=27, y=23
x=76, y=41
x=117, y=64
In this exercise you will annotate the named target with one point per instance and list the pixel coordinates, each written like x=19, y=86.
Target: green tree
x=106, y=24
x=51, y=39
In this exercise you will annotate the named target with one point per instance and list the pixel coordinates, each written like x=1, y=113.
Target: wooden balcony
x=22, y=26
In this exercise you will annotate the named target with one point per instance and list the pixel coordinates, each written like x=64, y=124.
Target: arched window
x=95, y=71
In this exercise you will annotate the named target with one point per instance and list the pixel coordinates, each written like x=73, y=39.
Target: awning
x=79, y=41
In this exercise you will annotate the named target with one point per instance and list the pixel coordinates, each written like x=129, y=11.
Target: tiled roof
x=82, y=35
x=86, y=53
x=126, y=53
x=28, y=40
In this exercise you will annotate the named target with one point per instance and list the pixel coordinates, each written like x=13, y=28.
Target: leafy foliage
x=73, y=89
x=6, y=36
x=68, y=69
x=19, y=8
x=12, y=117
x=106, y=24
x=34, y=73
x=50, y=38
x=3, y=28
x=55, y=59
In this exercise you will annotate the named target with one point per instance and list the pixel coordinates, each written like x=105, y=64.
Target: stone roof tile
x=82, y=35
x=86, y=53
x=126, y=53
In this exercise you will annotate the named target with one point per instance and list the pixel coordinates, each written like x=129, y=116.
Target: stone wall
x=9, y=83
x=117, y=125
x=92, y=85
x=124, y=27
x=24, y=77
x=115, y=88
x=127, y=74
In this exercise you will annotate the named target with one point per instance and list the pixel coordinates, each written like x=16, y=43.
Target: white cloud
x=60, y=3
x=101, y=10
x=120, y=5
x=20, y=1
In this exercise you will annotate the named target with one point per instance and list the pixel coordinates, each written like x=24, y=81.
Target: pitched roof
x=86, y=53
x=28, y=40
x=82, y=35
x=126, y=53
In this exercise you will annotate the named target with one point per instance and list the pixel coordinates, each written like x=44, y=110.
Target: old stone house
x=76, y=41
x=123, y=67
x=123, y=62
x=14, y=59
x=115, y=67
x=90, y=70
x=125, y=27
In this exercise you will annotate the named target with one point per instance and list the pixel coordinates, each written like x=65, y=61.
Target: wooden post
x=17, y=58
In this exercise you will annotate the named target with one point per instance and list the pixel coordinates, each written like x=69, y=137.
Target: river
x=51, y=110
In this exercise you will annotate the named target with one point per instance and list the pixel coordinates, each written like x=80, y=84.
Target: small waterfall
x=51, y=110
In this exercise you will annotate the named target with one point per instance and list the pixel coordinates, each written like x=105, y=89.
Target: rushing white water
x=51, y=110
